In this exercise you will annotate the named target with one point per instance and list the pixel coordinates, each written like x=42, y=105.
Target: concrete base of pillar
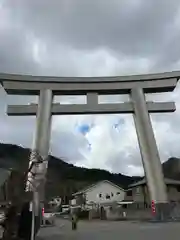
x=163, y=212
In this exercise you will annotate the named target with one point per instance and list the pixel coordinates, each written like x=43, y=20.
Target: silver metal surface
x=148, y=148
x=82, y=88
x=71, y=109
x=41, y=140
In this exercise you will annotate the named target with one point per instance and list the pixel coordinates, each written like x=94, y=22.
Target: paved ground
x=97, y=230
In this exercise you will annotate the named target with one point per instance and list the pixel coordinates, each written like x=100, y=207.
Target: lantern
x=153, y=208
x=43, y=212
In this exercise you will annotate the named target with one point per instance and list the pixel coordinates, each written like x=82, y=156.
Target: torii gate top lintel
x=55, y=79
x=31, y=85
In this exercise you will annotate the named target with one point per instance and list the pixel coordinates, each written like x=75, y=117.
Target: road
x=105, y=230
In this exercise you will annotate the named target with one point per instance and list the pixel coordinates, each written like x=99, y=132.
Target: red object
x=153, y=208
x=43, y=212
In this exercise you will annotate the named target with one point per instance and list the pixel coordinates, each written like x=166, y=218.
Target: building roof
x=94, y=185
x=168, y=181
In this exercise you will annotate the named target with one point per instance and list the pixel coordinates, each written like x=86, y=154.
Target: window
x=108, y=196
x=112, y=194
x=100, y=195
x=129, y=193
x=137, y=190
x=178, y=188
x=118, y=193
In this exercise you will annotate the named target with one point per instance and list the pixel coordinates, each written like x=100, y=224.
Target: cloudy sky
x=92, y=38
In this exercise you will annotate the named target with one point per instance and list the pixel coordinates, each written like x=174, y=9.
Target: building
x=55, y=202
x=138, y=192
x=103, y=192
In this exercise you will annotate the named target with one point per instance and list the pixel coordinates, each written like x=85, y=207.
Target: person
x=74, y=221
x=74, y=217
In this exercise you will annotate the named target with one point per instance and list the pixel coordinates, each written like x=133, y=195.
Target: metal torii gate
x=135, y=85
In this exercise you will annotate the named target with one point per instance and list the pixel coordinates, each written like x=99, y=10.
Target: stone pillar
x=150, y=155
x=40, y=152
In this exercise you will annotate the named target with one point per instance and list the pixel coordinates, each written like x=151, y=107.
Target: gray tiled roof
x=94, y=185
x=168, y=181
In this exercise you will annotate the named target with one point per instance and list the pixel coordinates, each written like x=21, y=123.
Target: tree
x=18, y=196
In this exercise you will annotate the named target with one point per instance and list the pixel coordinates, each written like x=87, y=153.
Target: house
x=55, y=202
x=138, y=192
x=103, y=192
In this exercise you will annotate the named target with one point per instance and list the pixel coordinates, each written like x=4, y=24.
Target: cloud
x=91, y=38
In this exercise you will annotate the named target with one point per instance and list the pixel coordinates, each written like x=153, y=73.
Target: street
x=97, y=230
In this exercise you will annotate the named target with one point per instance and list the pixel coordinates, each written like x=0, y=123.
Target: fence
x=140, y=213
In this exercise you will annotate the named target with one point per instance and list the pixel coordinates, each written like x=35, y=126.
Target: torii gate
x=136, y=86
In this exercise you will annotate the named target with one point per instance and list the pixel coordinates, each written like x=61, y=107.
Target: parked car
x=65, y=208
x=49, y=218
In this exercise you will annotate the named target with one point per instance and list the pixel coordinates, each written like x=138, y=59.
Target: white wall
x=104, y=188
x=138, y=194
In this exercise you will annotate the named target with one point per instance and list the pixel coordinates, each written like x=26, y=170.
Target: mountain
x=171, y=168
x=63, y=178
x=72, y=178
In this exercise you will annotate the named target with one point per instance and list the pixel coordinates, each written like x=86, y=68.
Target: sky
x=92, y=38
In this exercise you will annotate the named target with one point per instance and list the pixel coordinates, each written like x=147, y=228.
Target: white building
x=102, y=192
x=55, y=202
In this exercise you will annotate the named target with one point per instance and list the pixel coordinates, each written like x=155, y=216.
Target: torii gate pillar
x=149, y=152
x=40, y=149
